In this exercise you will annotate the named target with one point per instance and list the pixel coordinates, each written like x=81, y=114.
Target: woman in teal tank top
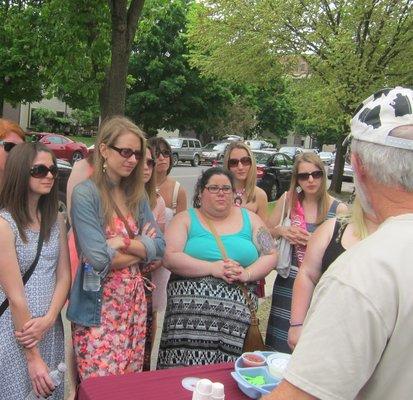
x=207, y=315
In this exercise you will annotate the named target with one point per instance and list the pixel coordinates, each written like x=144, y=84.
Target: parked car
x=274, y=171
x=213, y=152
x=327, y=157
x=257, y=144
x=185, y=149
x=291, y=151
x=63, y=147
x=347, y=173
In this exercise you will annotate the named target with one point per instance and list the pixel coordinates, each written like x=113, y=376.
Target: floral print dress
x=116, y=346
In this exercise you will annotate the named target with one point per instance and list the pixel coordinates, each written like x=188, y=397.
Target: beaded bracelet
x=295, y=325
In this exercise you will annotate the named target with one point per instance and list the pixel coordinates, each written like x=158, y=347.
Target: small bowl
x=277, y=363
x=253, y=359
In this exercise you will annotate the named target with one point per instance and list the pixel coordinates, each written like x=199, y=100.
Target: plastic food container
x=255, y=359
x=277, y=363
x=252, y=391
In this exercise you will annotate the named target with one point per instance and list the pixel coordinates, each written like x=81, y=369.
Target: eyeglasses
x=245, y=161
x=127, y=153
x=305, y=176
x=214, y=189
x=7, y=145
x=150, y=162
x=165, y=153
x=41, y=171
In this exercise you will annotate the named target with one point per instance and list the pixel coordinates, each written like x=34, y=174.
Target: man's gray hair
x=387, y=165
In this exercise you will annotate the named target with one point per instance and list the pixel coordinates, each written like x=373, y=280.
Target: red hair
x=7, y=126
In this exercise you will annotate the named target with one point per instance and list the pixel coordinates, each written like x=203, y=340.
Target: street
x=188, y=175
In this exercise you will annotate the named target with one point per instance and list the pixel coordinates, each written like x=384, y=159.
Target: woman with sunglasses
x=29, y=219
x=310, y=205
x=241, y=162
x=115, y=234
x=207, y=315
x=175, y=199
x=10, y=135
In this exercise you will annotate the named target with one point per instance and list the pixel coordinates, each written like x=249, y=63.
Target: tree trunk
x=124, y=23
x=337, y=178
x=1, y=106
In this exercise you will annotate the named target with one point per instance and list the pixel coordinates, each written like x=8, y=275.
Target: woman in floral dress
x=116, y=234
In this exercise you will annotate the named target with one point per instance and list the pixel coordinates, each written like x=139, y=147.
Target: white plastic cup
x=203, y=389
x=217, y=389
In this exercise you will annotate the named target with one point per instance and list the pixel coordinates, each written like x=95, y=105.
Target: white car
x=347, y=173
x=327, y=157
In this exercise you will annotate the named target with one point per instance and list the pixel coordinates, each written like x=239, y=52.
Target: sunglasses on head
x=245, y=161
x=127, y=153
x=150, y=162
x=305, y=176
x=165, y=153
x=7, y=146
x=41, y=171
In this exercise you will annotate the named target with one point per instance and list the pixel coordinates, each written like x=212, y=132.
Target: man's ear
x=358, y=167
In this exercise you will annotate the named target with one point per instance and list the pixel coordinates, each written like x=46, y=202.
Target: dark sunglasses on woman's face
x=127, y=153
x=41, y=171
x=150, y=162
x=7, y=146
x=233, y=162
x=305, y=176
x=166, y=153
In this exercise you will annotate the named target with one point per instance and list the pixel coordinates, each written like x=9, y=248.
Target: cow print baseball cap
x=377, y=117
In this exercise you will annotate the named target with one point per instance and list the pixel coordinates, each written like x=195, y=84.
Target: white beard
x=364, y=201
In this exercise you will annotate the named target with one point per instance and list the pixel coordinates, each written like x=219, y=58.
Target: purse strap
x=283, y=217
x=123, y=219
x=28, y=273
x=221, y=247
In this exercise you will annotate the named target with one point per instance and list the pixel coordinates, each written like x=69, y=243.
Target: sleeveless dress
x=280, y=314
x=206, y=318
x=334, y=248
x=117, y=346
x=14, y=379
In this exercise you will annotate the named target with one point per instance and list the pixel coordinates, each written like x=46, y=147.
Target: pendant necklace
x=238, y=197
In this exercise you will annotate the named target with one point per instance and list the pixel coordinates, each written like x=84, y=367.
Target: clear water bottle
x=91, y=280
x=56, y=376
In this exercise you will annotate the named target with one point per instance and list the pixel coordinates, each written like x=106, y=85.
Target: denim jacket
x=89, y=227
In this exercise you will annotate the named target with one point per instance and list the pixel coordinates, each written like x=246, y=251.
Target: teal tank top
x=239, y=246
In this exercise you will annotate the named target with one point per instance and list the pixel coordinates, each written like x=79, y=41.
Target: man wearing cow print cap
x=357, y=340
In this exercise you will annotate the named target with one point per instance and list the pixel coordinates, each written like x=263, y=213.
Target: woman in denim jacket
x=107, y=303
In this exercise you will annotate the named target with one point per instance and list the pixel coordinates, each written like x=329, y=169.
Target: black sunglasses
x=245, y=161
x=41, y=171
x=166, y=153
x=305, y=176
x=7, y=146
x=127, y=153
x=150, y=162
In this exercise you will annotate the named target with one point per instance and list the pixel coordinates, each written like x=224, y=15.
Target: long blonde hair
x=132, y=186
x=357, y=217
x=251, y=180
x=322, y=195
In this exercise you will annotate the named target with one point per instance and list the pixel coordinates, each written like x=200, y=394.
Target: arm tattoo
x=264, y=241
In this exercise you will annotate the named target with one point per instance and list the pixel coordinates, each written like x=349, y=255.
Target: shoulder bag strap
x=175, y=196
x=123, y=219
x=28, y=273
x=221, y=247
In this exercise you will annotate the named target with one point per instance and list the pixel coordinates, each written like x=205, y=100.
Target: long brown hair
x=156, y=144
x=132, y=185
x=251, y=180
x=322, y=195
x=150, y=186
x=14, y=194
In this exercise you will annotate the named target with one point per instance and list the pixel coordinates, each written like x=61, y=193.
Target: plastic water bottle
x=91, y=280
x=57, y=378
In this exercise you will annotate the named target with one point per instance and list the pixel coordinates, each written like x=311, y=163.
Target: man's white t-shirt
x=357, y=340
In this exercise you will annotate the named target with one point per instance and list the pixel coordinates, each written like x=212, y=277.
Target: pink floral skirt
x=116, y=346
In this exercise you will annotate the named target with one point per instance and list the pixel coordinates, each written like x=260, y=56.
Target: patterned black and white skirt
x=206, y=321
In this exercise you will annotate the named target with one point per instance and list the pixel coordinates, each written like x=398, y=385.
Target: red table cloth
x=158, y=385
